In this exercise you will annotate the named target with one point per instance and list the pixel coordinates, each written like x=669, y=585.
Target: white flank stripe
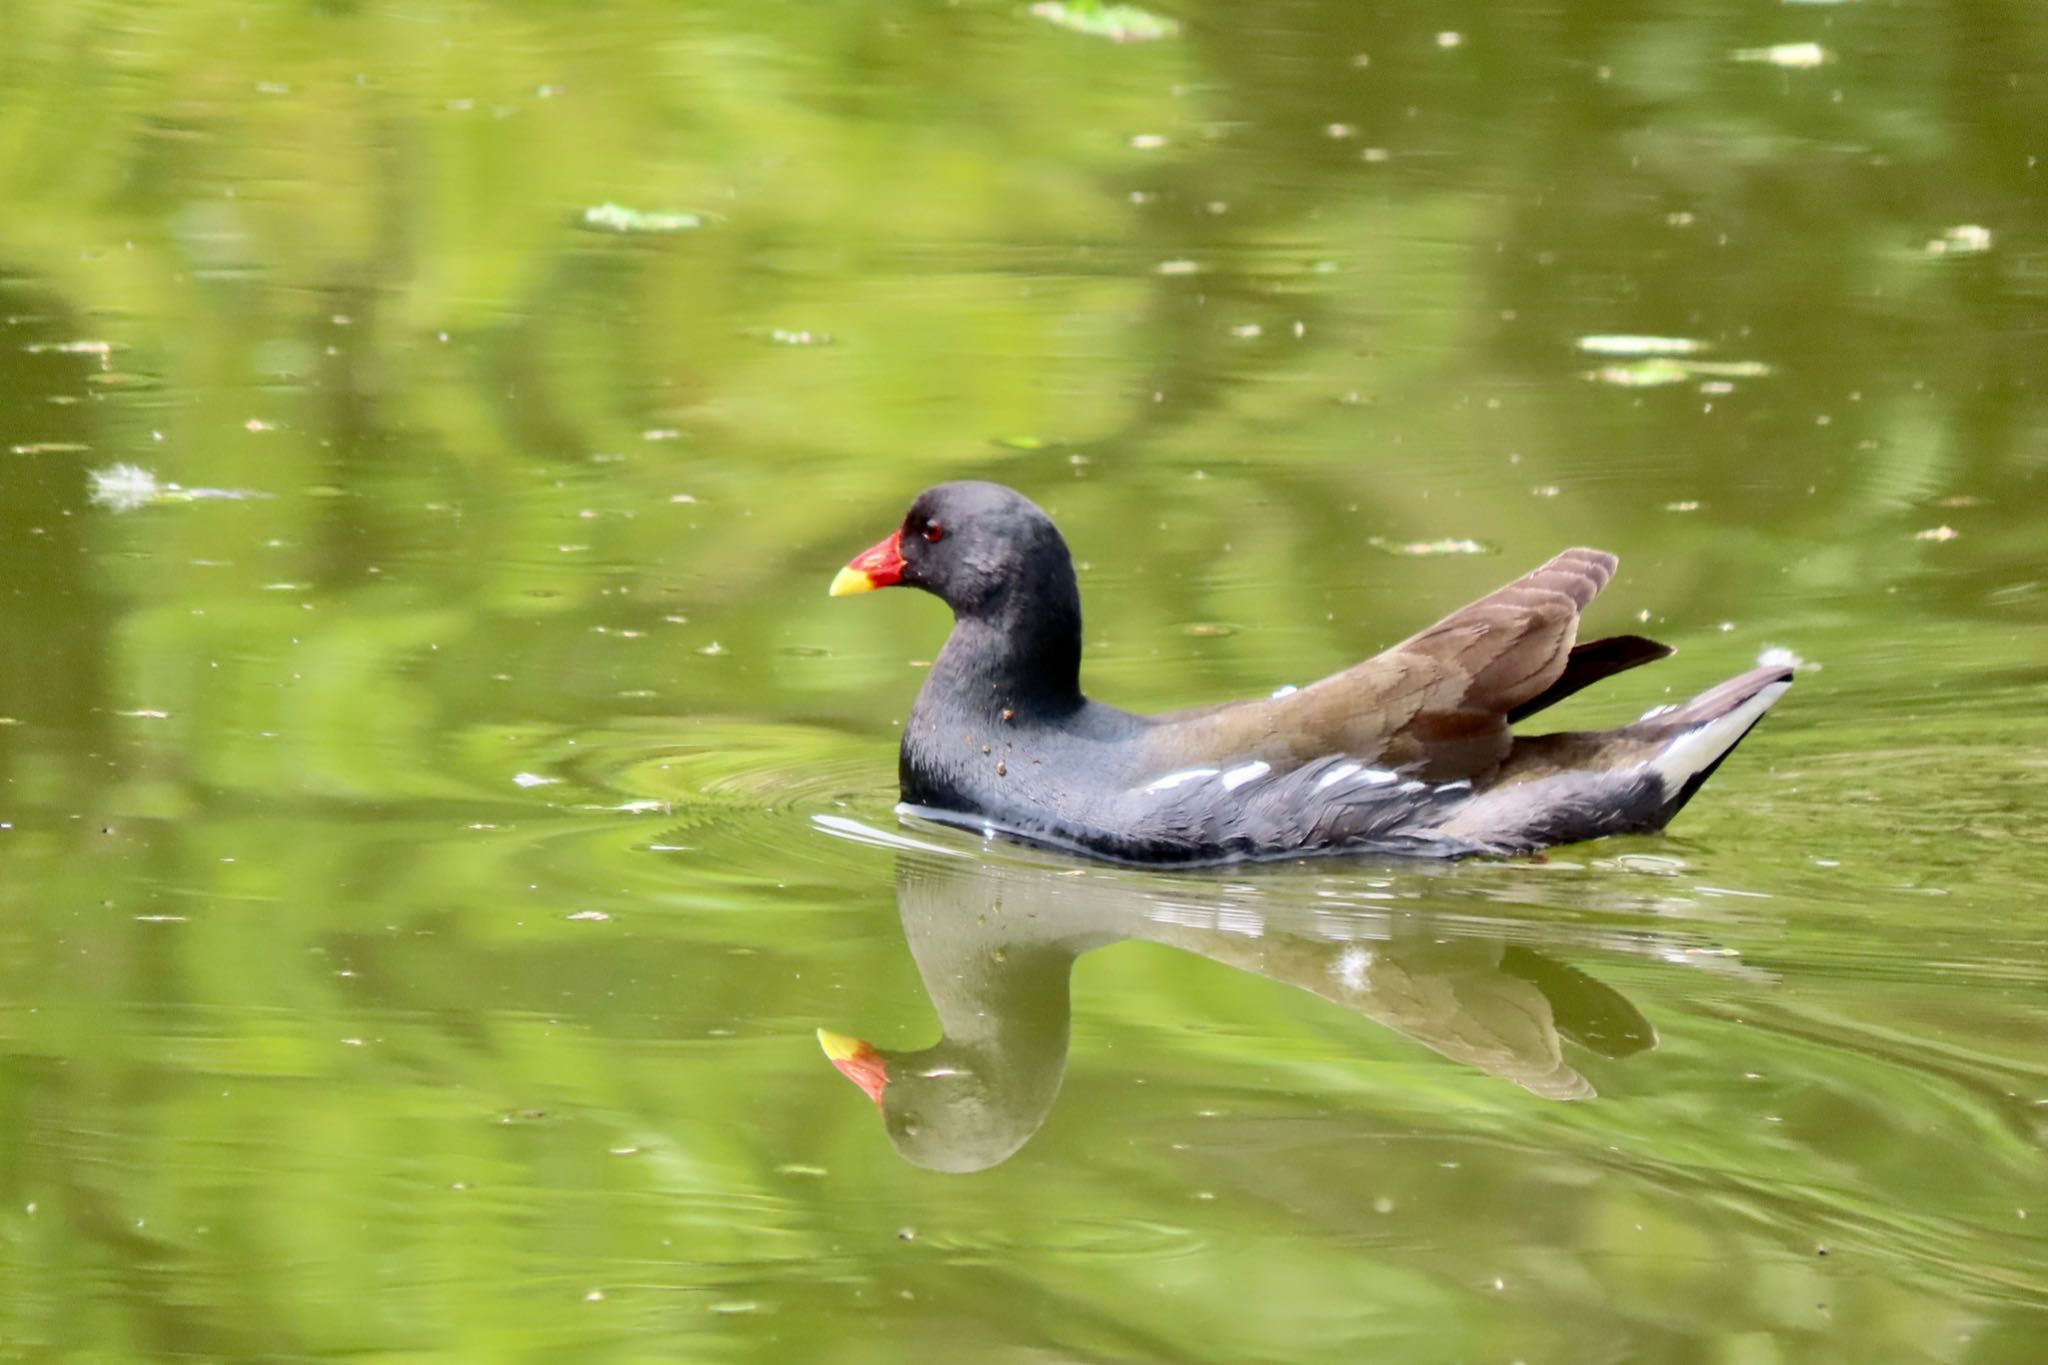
x=1172, y=780
x=1337, y=774
x=1245, y=772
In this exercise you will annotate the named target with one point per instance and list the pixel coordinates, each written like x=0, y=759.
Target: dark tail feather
x=1589, y=663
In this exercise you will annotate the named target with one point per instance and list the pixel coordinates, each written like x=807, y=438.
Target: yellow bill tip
x=849, y=580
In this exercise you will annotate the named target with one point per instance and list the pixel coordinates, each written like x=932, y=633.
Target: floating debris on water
x=1118, y=23
x=533, y=780
x=787, y=336
x=1790, y=56
x=102, y=349
x=593, y=915
x=1964, y=239
x=1937, y=533
x=1178, y=268
x=1640, y=374
x=1628, y=344
x=1686, y=505
x=48, y=448
x=125, y=487
x=1649, y=864
x=1427, y=548
x=1656, y=371
x=610, y=217
x=1778, y=656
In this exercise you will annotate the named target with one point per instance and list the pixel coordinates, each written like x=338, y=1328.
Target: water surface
x=438, y=803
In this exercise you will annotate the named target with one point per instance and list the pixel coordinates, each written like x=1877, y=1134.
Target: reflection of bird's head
x=947, y=1108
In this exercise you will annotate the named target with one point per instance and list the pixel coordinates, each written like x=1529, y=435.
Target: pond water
x=439, y=804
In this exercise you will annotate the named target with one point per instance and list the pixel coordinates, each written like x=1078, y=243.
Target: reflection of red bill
x=856, y=1060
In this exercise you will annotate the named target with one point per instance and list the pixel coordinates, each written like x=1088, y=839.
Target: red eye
x=933, y=533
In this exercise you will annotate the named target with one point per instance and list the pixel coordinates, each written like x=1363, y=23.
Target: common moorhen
x=1408, y=752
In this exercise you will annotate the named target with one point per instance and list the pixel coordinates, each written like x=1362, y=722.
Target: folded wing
x=1440, y=702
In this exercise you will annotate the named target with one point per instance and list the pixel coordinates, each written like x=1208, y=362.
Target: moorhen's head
x=976, y=546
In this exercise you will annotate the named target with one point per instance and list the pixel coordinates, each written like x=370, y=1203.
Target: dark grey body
x=1408, y=752
x=1086, y=777
x=1023, y=786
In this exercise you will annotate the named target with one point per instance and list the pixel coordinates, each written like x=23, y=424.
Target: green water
x=438, y=802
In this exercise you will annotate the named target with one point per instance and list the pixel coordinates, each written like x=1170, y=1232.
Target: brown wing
x=1440, y=700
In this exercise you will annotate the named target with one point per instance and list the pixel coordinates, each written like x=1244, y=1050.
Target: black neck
x=1020, y=652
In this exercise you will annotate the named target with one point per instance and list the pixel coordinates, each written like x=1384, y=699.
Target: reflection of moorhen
x=1408, y=752
x=994, y=944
